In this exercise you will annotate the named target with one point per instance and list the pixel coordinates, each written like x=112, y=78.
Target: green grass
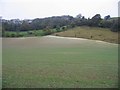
x=29, y=33
x=24, y=33
x=87, y=64
x=94, y=33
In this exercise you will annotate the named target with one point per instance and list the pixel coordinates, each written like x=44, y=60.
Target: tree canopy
x=61, y=21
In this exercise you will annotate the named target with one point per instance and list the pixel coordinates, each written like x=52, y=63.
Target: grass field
x=94, y=33
x=49, y=62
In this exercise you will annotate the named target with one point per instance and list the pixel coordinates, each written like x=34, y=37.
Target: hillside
x=93, y=33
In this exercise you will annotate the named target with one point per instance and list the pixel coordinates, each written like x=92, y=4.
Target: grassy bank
x=94, y=33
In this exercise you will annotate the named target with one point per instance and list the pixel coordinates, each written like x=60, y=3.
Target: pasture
x=53, y=62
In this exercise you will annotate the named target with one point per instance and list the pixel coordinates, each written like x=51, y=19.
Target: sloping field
x=56, y=62
x=94, y=33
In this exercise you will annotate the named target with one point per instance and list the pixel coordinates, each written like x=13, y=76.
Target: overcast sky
x=30, y=9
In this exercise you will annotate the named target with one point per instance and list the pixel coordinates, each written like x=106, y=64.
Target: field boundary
x=99, y=41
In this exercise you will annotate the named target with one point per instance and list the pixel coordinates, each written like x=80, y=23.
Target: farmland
x=54, y=62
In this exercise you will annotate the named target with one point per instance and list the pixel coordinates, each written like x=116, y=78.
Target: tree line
x=57, y=22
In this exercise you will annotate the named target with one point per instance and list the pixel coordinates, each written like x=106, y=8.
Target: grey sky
x=30, y=9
